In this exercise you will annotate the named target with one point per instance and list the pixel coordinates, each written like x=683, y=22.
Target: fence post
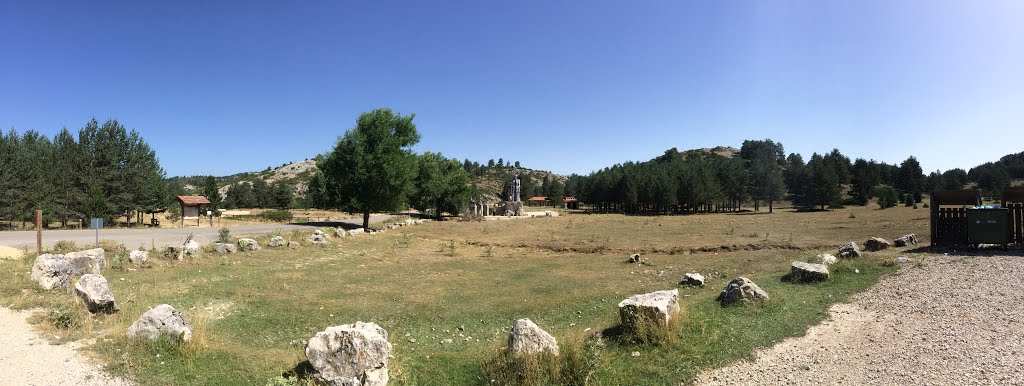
x=39, y=232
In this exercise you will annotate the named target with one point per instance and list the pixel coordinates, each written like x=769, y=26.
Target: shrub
x=277, y=215
x=64, y=246
x=887, y=197
x=575, y=365
x=889, y=262
x=63, y=317
x=224, y=235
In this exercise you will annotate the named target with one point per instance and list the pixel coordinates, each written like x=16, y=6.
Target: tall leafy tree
x=212, y=193
x=372, y=166
x=824, y=184
x=440, y=185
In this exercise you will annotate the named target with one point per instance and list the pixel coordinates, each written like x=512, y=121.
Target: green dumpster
x=988, y=226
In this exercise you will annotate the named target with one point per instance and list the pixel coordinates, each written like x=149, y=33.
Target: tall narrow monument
x=514, y=206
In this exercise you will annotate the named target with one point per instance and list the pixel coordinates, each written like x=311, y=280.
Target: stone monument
x=514, y=206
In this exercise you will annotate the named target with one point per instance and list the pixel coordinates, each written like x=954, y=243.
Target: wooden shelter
x=949, y=224
x=570, y=202
x=190, y=206
x=1013, y=199
x=536, y=200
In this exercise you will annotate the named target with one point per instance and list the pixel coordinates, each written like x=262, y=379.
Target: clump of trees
x=259, y=194
x=372, y=169
x=107, y=171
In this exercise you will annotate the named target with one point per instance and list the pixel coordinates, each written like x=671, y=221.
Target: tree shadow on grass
x=302, y=371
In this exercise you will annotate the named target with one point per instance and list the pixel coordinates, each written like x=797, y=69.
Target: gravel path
x=955, y=320
x=28, y=359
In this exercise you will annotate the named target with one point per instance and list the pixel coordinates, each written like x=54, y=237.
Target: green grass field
x=252, y=312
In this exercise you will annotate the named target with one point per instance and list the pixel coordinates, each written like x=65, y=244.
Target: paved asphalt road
x=162, y=237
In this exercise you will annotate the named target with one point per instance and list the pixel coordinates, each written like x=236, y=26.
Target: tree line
x=761, y=174
x=106, y=172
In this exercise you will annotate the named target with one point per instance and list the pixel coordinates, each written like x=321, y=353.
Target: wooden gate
x=951, y=226
x=1013, y=198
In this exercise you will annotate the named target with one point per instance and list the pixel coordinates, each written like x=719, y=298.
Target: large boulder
x=634, y=258
x=94, y=290
x=356, y=231
x=340, y=232
x=826, y=258
x=223, y=248
x=801, y=272
x=276, y=241
x=849, y=250
x=161, y=320
x=906, y=240
x=876, y=244
x=528, y=338
x=248, y=245
x=741, y=290
x=52, y=271
x=87, y=261
x=192, y=248
x=350, y=355
x=692, y=279
x=138, y=257
x=658, y=307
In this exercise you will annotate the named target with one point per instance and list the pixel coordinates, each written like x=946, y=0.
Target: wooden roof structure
x=1013, y=194
x=537, y=198
x=193, y=200
x=569, y=199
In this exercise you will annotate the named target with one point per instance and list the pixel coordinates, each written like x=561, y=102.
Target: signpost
x=96, y=223
x=39, y=232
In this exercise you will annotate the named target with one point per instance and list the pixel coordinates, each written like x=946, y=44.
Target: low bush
x=575, y=365
x=277, y=215
x=64, y=246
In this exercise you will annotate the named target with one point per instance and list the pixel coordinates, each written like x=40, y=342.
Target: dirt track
x=162, y=237
x=953, y=320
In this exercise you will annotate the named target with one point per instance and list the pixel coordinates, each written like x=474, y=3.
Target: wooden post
x=39, y=232
x=935, y=217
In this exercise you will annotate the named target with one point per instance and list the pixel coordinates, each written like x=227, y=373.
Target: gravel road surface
x=162, y=237
x=956, y=320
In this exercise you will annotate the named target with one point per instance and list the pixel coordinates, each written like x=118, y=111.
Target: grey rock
x=248, y=245
x=635, y=258
x=801, y=272
x=161, y=320
x=826, y=258
x=906, y=240
x=849, y=250
x=875, y=244
x=317, y=238
x=740, y=290
x=94, y=290
x=87, y=261
x=223, y=248
x=528, y=338
x=276, y=241
x=692, y=279
x=138, y=257
x=356, y=231
x=658, y=307
x=192, y=248
x=350, y=355
x=340, y=232
x=52, y=271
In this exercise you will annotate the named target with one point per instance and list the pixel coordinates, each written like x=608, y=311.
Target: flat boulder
x=528, y=338
x=87, y=261
x=801, y=272
x=906, y=240
x=356, y=231
x=849, y=250
x=223, y=248
x=658, y=307
x=138, y=257
x=826, y=258
x=159, y=321
x=741, y=290
x=95, y=292
x=276, y=241
x=350, y=355
x=52, y=271
x=692, y=279
x=876, y=244
x=248, y=245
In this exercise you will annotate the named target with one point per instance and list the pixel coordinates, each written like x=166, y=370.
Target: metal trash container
x=988, y=226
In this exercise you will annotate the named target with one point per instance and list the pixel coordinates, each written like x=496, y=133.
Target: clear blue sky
x=225, y=87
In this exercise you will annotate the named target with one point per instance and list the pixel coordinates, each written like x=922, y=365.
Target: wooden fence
x=951, y=227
